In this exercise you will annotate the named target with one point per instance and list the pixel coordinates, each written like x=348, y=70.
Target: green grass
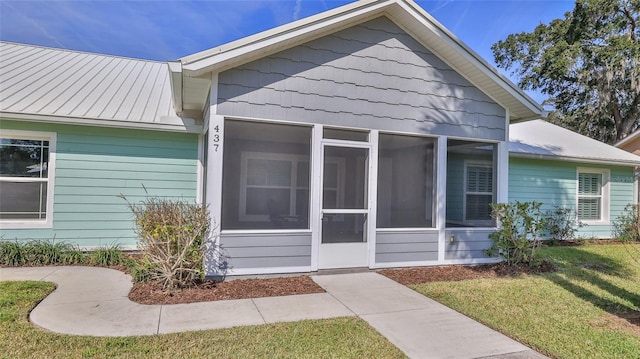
x=331, y=338
x=576, y=312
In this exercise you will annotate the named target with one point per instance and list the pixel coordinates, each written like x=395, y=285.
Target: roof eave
x=597, y=161
x=187, y=125
x=531, y=109
x=175, y=75
x=271, y=41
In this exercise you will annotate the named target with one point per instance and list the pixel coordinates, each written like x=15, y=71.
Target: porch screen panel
x=405, y=182
x=471, y=179
x=265, y=176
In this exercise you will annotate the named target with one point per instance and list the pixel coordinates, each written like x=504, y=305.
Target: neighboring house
x=365, y=136
x=78, y=130
x=558, y=167
x=630, y=143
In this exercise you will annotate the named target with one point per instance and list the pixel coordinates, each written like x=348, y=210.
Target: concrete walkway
x=93, y=301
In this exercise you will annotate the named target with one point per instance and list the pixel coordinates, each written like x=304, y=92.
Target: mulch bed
x=152, y=293
x=408, y=276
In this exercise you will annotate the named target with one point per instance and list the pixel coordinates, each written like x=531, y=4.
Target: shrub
x=516, y=239
x=39, y=252
x=45, y=252
x=106, y=256
x=141, y=270
x=561, y=223
x=72, y=256
x=11, y=253
x=172, y=235
x=627, y=226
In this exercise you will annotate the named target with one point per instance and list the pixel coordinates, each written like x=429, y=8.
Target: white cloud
x=296, y=10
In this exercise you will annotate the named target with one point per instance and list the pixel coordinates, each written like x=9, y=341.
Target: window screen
x=406, y=178
x=265, y=176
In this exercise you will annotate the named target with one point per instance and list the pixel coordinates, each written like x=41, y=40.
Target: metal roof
x=54, y=85
x=405, y=13
x=541, y=139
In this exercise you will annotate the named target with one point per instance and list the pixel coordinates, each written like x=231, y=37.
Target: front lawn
x=331, y=338
x=589, y=308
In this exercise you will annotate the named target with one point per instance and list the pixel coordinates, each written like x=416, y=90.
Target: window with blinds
x=590, y=196
x=479, y=192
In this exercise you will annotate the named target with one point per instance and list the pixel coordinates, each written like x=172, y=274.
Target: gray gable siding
x=372, y=75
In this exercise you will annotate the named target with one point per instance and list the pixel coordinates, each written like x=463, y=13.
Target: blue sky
x=168, y=30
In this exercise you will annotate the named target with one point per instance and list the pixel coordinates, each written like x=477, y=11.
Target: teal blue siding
x=95, y=165
x=554, y=184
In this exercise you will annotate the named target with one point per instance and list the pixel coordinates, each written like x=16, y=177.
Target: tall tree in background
x=587, y=63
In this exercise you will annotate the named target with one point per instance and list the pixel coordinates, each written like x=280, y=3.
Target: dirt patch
x=408, y=276
x=626, y=321
x=152, y=293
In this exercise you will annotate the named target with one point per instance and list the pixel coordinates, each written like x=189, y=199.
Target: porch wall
x=372, y=76
x=467, y=244
x=406, y=246
x=266, y=250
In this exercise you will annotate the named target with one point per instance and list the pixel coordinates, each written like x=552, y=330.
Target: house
x=630, y=143
x=365, y=136
x=559, y=167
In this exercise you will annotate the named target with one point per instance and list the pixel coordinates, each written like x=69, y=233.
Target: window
x=26, y=173
x=273, y=184
x=406, y=178
x=478, y=192
x=471, y=183
x=592, y=195
x=265, y=176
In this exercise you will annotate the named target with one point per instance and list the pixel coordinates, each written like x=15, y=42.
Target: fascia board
x=274, y=40
x=175, y=71
x=187, y=125
x=443, y=35
x=596, y=161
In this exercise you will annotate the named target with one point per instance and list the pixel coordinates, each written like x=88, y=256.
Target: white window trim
x=605, y=194
x=467, y=164
x=51, y=175
x=294, y=159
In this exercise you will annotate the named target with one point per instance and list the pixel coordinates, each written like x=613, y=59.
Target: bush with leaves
x=516, y=239
x=172, y=236
x=561, y=223
x=626, y=227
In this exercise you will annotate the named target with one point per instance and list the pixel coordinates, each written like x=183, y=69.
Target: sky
x=170, y=29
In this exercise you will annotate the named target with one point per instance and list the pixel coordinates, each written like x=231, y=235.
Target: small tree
x=172, y=235
x=626, y=227
x=517, y=237
x=561, y=223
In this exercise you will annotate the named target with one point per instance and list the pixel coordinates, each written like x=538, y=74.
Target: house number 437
x=216, y=138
